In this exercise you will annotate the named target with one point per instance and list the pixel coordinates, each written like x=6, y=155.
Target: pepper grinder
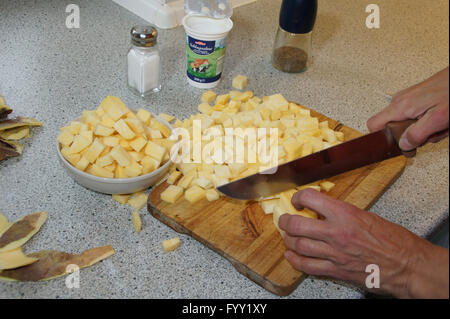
x=293, y=42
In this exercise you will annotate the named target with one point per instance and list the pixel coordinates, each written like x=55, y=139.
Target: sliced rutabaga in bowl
x=116, y=142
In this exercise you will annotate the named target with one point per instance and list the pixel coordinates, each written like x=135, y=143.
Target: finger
x=434, y=121
x=438, y=137
x=299, y=226
x=309, y=247
x=380, y=120
x=320, y=203
x=311, y=266
x=409, y=104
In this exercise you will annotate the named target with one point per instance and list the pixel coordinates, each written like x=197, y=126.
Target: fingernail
x=287, y=254
x=405, y=144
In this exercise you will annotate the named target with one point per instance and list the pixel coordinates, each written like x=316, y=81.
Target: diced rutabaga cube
x=101, y=130
x=149, y=164
x=125, y=144
x=323, y=125
x=65, y=138
x=205, y=108
x=173, y=178
x=339, y=136
x=172, y=194
x=228, y=123
x=311, y=186
x=79, y=143
x=137, y=222
x=99, y=171
x=82, y=164
x=327, y=186
x=71, y=158
x=304, y=113
x=171, y=244
x=100, y=111
x=219, y=181
x=121, y=156
x=293, y=148
x=208, y=96
x=155, y=134
x=328, y=135
x=277, y=101
x=131, y=115
x=185, y=168
x=212, y=195
x=137, y=156
x=138, y=143
x=194, y=194
x=144, y=115
x=235, y=95
x=268, y=206
x=111, y=167
x=244, y=97
x=94, y=151
x=111, y=141
x=91, y=118
x=294, y=108
x=107, y=121
x=203, y=182
x=237, y=168
x=187, y=179
x=104, y=160
x=165, y=131
x=240, y=82
x=307, y=149
x=307, y=124
x=75, y=127
x=178, y=123
x=122, y=199
x=167, y=117
x=114, y=107
x=222, y=99
x=133, y=170
x=120, y=172
x=222, y=171
x=124, y=130
x=154, y=150
x=138, y=200
x=136, y=125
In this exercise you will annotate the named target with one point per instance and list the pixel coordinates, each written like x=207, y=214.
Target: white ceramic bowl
x=116, y=185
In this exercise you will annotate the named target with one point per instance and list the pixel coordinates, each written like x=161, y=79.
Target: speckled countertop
x=52, y=73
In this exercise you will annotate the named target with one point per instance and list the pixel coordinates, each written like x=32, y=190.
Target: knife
x=369, y=149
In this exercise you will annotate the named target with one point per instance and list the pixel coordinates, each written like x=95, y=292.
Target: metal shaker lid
x=144, y=36
x=298, y=16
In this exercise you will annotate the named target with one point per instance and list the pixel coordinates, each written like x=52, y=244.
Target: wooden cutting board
x=244, y=235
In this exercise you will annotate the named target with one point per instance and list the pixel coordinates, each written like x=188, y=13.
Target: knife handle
x=397, y=129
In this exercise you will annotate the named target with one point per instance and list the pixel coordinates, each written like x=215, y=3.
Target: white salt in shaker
x=144, y=62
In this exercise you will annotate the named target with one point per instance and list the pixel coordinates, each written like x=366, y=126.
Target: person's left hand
x=350, y=239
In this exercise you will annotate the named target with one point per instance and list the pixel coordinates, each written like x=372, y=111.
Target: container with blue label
x=205, y=46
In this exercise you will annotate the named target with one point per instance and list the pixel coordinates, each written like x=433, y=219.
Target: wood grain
x=244, y=235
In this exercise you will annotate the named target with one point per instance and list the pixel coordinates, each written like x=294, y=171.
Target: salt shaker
x=144, y=62
x=292, y=49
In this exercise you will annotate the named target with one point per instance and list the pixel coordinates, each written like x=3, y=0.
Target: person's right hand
x=426, y=101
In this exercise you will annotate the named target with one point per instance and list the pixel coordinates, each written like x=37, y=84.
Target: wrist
x=427, y=272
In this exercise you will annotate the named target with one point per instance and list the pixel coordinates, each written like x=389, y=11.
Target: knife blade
x=369, y=149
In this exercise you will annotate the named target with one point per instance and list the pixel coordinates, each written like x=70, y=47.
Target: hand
x=426, y=101
x=349, y=239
